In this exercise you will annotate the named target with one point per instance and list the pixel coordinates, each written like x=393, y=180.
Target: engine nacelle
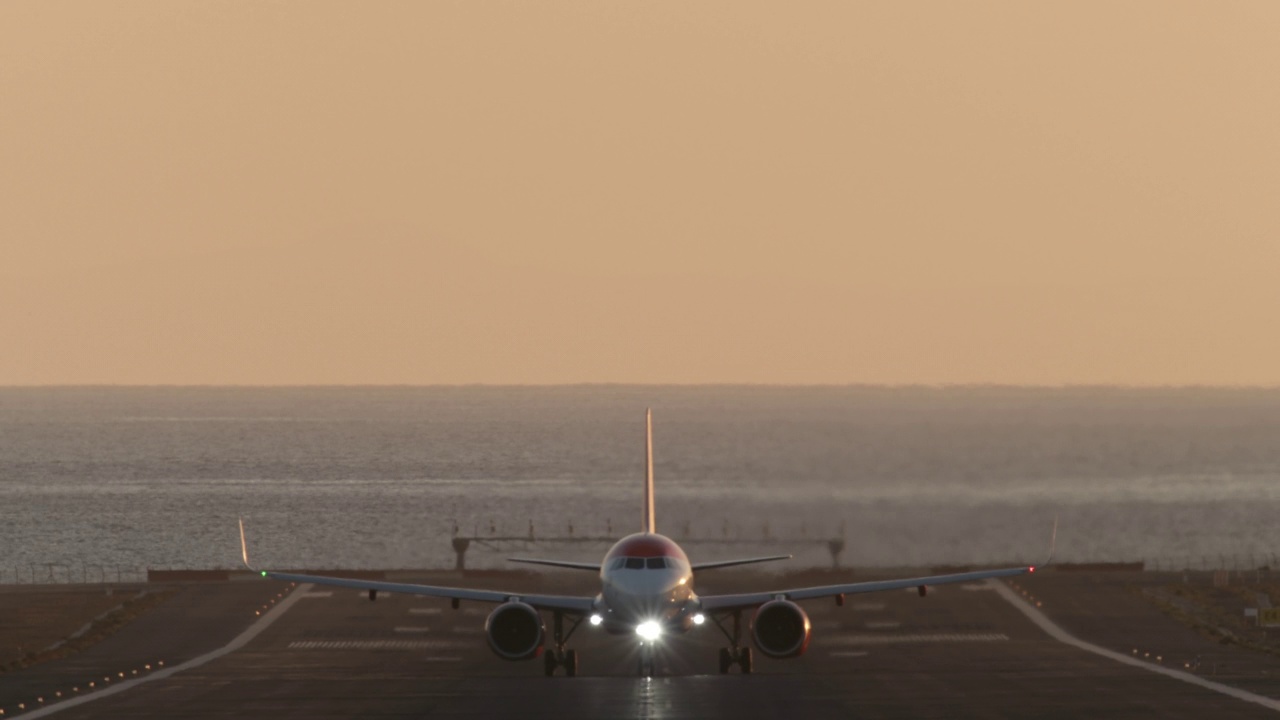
x=515, y=631
x=780, y=629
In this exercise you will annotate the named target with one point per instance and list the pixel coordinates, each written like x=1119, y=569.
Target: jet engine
x=515, y=631
x=780, y=628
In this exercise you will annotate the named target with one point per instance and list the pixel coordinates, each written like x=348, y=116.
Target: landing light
x=649, y=630
x=596, y=619
x=699, y=618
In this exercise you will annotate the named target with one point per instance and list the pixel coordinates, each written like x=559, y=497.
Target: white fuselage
x=646, y=577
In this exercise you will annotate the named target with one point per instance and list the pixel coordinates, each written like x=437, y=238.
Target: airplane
x=646, y=593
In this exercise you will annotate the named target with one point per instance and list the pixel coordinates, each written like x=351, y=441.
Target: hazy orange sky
x=798, y=192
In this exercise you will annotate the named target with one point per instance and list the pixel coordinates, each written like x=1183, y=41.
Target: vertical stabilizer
x=648, y=472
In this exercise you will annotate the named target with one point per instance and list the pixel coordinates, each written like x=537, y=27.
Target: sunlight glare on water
x=359, y=477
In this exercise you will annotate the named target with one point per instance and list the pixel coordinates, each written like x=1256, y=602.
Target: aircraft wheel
x=744, y=660
x=571, y=663
x=726, y=661
x=549, y=663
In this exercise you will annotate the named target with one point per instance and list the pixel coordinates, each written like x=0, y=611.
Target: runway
x=964, y=651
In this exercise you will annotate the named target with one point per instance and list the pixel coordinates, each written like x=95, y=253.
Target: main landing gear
x=734, y=654
x=557, y=656
x=567, y=659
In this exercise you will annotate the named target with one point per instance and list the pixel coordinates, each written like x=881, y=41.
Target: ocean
x=103, y=480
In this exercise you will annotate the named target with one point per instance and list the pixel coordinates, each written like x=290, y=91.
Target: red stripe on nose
x=647, y=547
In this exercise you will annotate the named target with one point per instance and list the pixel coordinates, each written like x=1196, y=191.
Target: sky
x=639, y=192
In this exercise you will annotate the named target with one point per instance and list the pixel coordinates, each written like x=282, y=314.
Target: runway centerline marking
x=888, y=639
x=413, y=629
x=262, y=623
x=377, y=644
x=1051, y=628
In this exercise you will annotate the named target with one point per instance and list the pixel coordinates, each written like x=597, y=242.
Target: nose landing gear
x=558, y=656
x=734, y=654
x=647, y=667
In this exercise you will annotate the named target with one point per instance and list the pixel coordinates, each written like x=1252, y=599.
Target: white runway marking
x=238, y=642
x=867, y=607
x=374, y=645
x=465, y=629
x=413, y=629
x=1044, y=623
x=884, y=625
x=848, y=653
x=919, y=638
x=976, y=586
x=424, y=611
x=325, y=594
x=381, y=593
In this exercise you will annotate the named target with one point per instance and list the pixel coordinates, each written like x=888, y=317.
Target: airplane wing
x=594, y=567
x=564, y=603
x=745, y=600
x=742, y=561
x=742, y=600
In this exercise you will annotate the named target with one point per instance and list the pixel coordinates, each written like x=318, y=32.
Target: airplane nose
x=651, y=606
x=642, y=608
x=644, y=596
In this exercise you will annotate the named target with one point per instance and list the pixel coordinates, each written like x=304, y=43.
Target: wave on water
x=357, y=477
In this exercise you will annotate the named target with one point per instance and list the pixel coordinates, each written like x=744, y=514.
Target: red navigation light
x=1031, y=569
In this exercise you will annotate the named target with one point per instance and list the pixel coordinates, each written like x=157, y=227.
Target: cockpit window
x=639, y=563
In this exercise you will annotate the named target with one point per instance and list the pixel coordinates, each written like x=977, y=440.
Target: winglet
x=1053, y=543
x=1053, y=540
x=649, y=524
x=244, y=547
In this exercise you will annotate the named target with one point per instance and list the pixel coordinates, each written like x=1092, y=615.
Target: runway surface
x=964, y=651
